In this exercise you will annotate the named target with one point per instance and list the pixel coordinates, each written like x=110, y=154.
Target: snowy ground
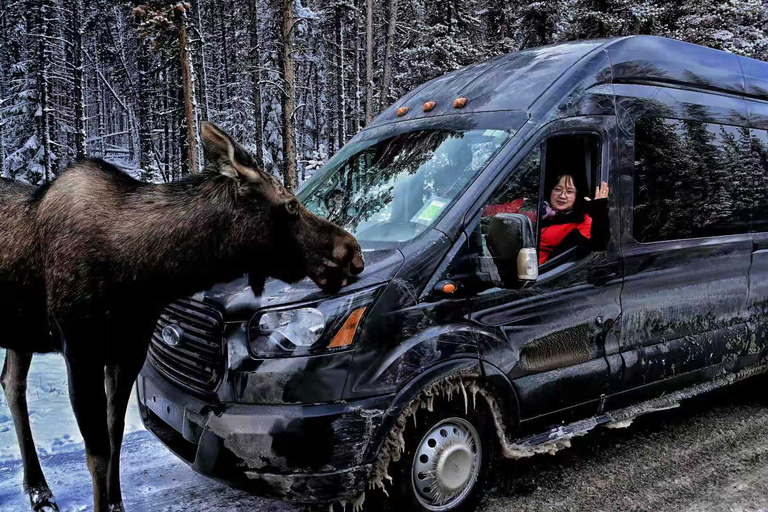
x=709, y=455
x=48, y=397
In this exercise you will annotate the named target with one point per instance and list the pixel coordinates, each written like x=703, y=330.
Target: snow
x=152, y=477
x=53, y=422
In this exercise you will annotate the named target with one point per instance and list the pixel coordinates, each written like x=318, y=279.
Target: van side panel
x=758, y=273
x=402, y=335
x=684, y=302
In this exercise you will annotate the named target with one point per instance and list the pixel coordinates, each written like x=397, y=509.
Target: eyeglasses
x=559, y=191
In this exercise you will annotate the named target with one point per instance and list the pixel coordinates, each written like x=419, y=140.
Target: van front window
x=395, y=189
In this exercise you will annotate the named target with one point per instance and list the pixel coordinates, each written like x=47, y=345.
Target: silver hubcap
x=446, y=464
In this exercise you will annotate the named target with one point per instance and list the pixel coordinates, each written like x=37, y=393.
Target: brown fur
x=93, y=259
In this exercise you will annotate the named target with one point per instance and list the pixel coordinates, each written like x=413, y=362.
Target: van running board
x=560, y=437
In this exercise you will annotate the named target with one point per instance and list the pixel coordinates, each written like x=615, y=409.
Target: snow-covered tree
x=136, y=92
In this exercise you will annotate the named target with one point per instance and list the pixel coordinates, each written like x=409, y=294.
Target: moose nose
x=357, y=264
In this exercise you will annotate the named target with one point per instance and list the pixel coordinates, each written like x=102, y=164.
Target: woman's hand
x=601, y=192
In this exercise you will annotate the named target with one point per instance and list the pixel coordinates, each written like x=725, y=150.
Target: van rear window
x=691, y=180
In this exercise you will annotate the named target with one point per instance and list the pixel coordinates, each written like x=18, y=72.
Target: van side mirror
x=511, y=243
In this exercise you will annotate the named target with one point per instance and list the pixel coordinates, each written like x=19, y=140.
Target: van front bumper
x=303, y=453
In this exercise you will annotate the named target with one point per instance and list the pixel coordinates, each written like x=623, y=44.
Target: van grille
x=197, y=362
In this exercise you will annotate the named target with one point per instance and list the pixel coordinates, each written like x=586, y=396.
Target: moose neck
x=188, y=236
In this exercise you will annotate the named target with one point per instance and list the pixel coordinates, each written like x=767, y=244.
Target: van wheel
x=446, y=462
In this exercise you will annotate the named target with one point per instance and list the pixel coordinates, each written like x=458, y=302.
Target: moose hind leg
x=14, y=382
x=120, y=379
x=89, y=402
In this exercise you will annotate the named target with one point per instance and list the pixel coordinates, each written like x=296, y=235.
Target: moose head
x=286, y=240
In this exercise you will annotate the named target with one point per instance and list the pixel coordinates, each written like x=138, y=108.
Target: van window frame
x=683, y=242
x=538, y=140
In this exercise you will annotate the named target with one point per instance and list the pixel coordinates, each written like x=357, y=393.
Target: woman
x=569, y=220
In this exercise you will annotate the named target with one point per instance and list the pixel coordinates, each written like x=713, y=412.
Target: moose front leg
x=14, y=382
x=120, y=378
x=89, y=402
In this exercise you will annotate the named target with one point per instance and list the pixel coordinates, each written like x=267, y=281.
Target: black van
x=463, y=339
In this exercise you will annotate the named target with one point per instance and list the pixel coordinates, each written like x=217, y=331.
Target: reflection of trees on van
x=395, y=189
x=694, y=179
x=758, y=167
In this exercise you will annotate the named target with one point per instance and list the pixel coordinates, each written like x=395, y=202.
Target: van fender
x=466, y=378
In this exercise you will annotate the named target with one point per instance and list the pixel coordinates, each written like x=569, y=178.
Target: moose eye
x=292, y=207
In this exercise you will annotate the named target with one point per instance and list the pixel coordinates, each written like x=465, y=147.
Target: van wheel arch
x=456, y=386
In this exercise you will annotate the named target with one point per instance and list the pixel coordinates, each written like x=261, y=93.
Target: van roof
x=516, y=80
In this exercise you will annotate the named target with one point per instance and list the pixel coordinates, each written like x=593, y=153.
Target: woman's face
x=563, y=194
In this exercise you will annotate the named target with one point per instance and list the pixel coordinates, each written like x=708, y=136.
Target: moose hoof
x=117, y=507
x=41, y=499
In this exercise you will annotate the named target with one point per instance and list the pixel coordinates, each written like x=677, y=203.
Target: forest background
x=292, y=80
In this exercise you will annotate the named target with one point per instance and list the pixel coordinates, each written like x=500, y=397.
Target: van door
x=552, y=335
x=687, y=250
x=756, y=161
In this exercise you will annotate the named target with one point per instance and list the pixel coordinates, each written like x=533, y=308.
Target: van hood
x=240, y=304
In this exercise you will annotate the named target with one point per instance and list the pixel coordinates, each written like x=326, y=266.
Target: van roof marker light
x=429, y=106
x=402, y=111
x=346, y=334
x=460, y=102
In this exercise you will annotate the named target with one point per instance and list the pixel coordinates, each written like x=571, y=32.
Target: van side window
x=691, y=180
x=758, y=165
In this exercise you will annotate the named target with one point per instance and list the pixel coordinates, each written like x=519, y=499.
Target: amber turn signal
x=460, y=103
x=402, y=111
x=346, y=334
x=449, y=288
x=428, y=106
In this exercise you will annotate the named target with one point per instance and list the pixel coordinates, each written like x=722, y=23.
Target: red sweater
x=552, y=236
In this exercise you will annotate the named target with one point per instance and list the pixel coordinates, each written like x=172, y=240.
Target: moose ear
x=229, y=157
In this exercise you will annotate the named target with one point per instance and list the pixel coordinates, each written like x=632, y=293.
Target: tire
x=450, y=426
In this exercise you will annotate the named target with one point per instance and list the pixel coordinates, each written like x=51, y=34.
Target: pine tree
x=386, y=81
x=255, y=64
x=289, y=102
x=368, y=61
x=739, y=27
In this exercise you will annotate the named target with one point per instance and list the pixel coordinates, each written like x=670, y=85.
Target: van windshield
x=395, y=189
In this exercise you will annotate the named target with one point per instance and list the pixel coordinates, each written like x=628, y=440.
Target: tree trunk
x=44, y=91
x=77, y=78
x=256, y=81
x=200, y=47
x=355, y=125
x=145, y=133
x=167, y=119
x=497, y=21
x=316, y=107
x=182, y=135
x=190, y=101
x=288, y=103
x=386, y=81
x=5, y=63
x=224, y=88
x=341, y=99
x=368, y=61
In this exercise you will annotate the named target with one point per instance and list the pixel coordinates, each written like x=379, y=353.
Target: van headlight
x=309, y=329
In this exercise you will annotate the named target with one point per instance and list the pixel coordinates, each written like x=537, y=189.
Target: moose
x=88, y=262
